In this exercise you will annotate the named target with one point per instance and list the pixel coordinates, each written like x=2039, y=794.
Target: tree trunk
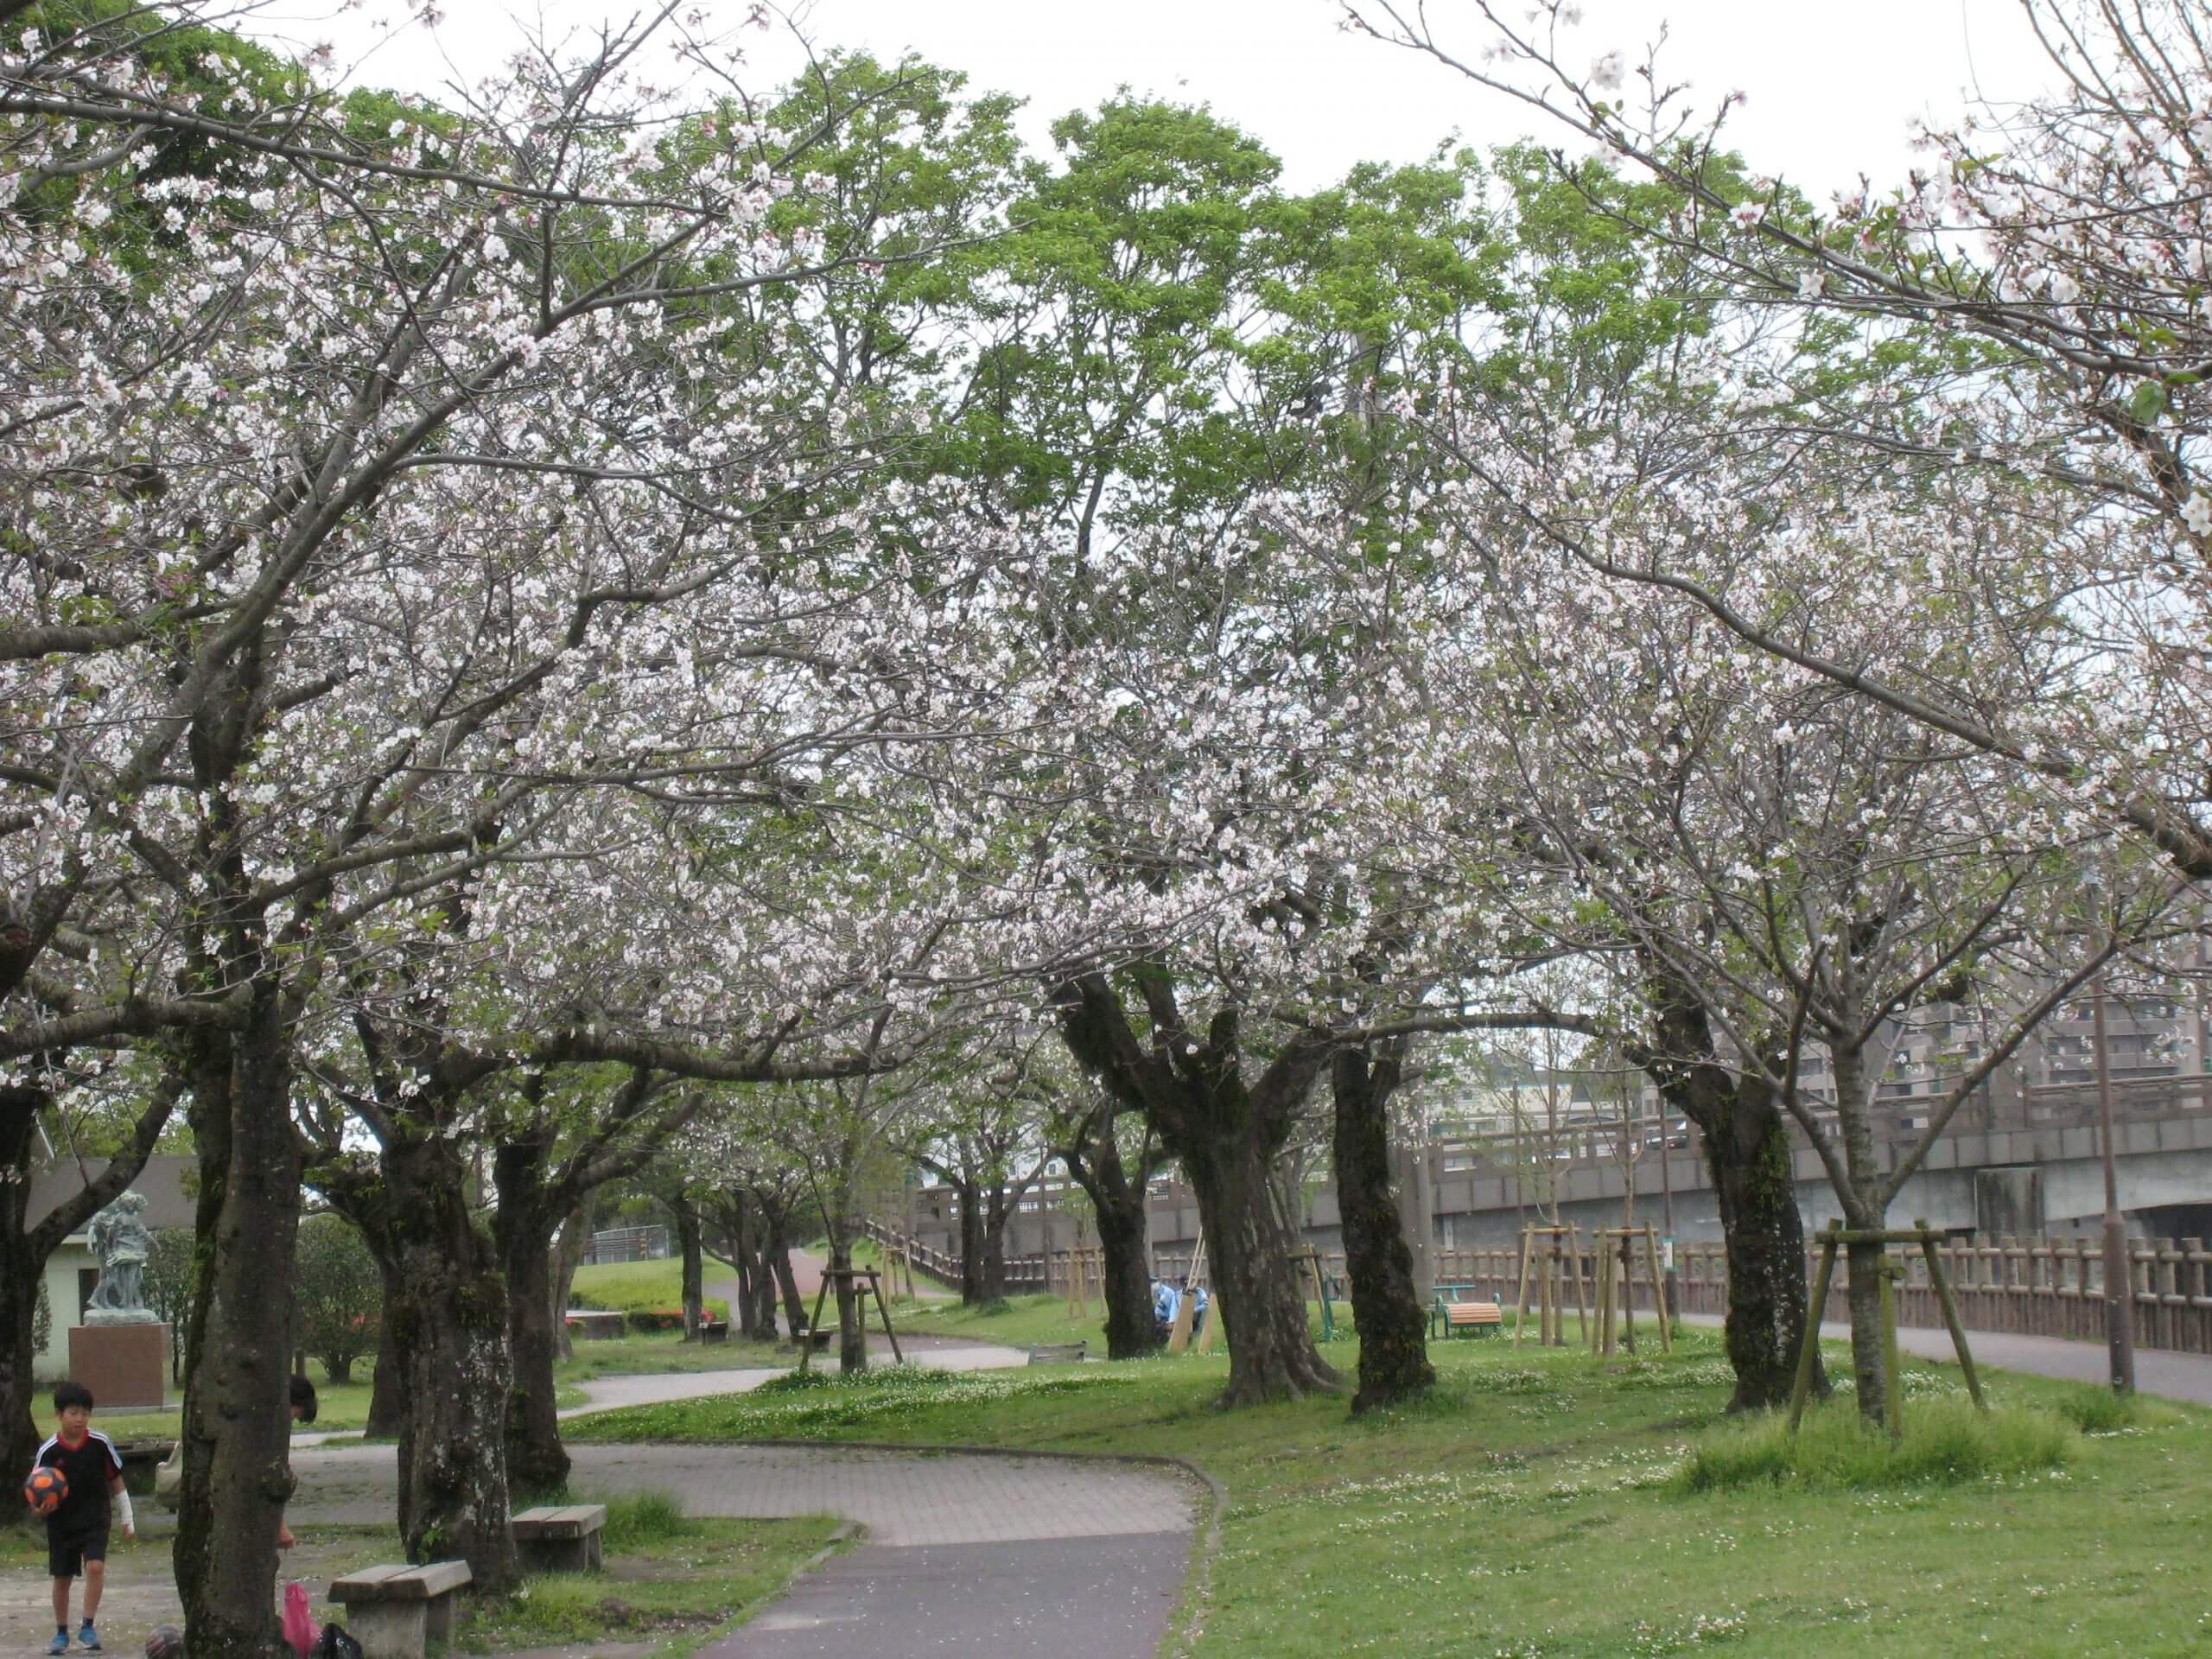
x=1226, y=1133
x=1256, y=1292
x=387, y=1387
x=974, y=1292
x=237, y=1421
x=998, y=1213
x=1123, y=1249
x=566, y=1258
x=1870, y=1361
x=522, y=1231
x=1393, y=1325
x=1747, y=1148
x=695, y=1267
x=1870, y=1367
x=21, y=1269
x=452, y=1337
x=852, y=1329
x=779, y=1255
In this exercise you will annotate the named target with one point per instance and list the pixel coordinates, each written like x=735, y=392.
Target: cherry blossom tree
x=335, y=516
x=2050, y=257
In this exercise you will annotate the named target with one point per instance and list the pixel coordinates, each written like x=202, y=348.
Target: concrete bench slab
x=396, y=1611
x=1060, y=1353
x=561, y=1538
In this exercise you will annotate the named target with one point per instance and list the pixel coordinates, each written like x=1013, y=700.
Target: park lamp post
x=2120, y=1275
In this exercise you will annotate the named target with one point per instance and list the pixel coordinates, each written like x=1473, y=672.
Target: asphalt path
x=1023, y=1557
x=2186, y=1377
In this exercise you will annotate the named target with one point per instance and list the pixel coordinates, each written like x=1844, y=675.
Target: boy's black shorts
x=67, y=1552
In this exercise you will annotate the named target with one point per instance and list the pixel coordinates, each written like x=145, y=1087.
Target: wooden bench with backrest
x=1457, y=1309
x=1474, y=1318
x=395, y=1612
x=1060, y=1353
x=561, y=1538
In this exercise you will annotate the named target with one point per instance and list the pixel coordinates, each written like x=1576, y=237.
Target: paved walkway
x=2186, y=1377
x=1026, y=1558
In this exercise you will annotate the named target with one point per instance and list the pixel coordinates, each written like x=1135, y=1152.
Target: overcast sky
x=1831, y=87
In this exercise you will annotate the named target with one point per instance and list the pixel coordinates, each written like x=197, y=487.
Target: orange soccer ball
x=44, y=1488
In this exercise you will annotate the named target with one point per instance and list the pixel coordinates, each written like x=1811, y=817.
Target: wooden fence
x=2036, y=1286
x=2051, y=1287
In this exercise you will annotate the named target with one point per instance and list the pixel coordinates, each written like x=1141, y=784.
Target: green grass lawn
x=643, y=1353
x=337, y=1405
x=625, y=1285
x=1538, y=1505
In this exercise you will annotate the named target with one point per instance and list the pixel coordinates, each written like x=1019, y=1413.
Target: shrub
x=2096, y=1410
x=1835, y=1450
x=641, y=1519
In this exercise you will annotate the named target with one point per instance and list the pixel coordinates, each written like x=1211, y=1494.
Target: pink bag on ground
x=301, y=1633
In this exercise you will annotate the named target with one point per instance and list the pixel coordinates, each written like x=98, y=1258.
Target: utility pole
x=2119, y=1276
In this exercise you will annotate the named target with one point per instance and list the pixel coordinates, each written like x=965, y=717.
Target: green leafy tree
x=340, y=1294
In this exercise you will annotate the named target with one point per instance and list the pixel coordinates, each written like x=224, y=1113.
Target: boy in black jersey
x=76, y=1533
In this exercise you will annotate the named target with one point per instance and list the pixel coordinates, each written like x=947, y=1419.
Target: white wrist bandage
x=123, y=1504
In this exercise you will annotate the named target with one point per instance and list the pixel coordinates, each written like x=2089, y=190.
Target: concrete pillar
x=2008, y=1199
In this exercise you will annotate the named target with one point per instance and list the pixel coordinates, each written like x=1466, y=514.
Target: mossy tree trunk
x=452, y=1315
x=1393, y=1325
x=1227, y=1132
x=1748, y=1150
x=521, y=1229
x=1091, y=1149
x=692, y=1253
x=237, y=1421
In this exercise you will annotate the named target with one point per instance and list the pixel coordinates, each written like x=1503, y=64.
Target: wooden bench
x=393, y=1611
x=563, y=1539
x=1474, y=1318
x=595, y=1323
x=714, y=1330
x=1060, y=1353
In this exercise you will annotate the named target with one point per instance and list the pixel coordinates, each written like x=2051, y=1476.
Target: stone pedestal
x=126, y=1366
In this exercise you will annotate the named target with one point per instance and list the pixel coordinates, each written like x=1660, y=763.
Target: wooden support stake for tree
x=1809, y=1350
x=813, y=1324
x=1951, y=1317
x=1581, y=1306
x=1521, y=1296
x=883, y=1307
x=1658, y=1289
x=1893, y=1381
x=1602, y=1338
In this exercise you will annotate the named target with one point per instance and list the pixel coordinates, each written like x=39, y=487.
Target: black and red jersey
x=87, y=1466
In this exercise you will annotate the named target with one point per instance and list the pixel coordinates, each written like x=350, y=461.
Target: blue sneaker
x=61, y=1643
x=88, y=1638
